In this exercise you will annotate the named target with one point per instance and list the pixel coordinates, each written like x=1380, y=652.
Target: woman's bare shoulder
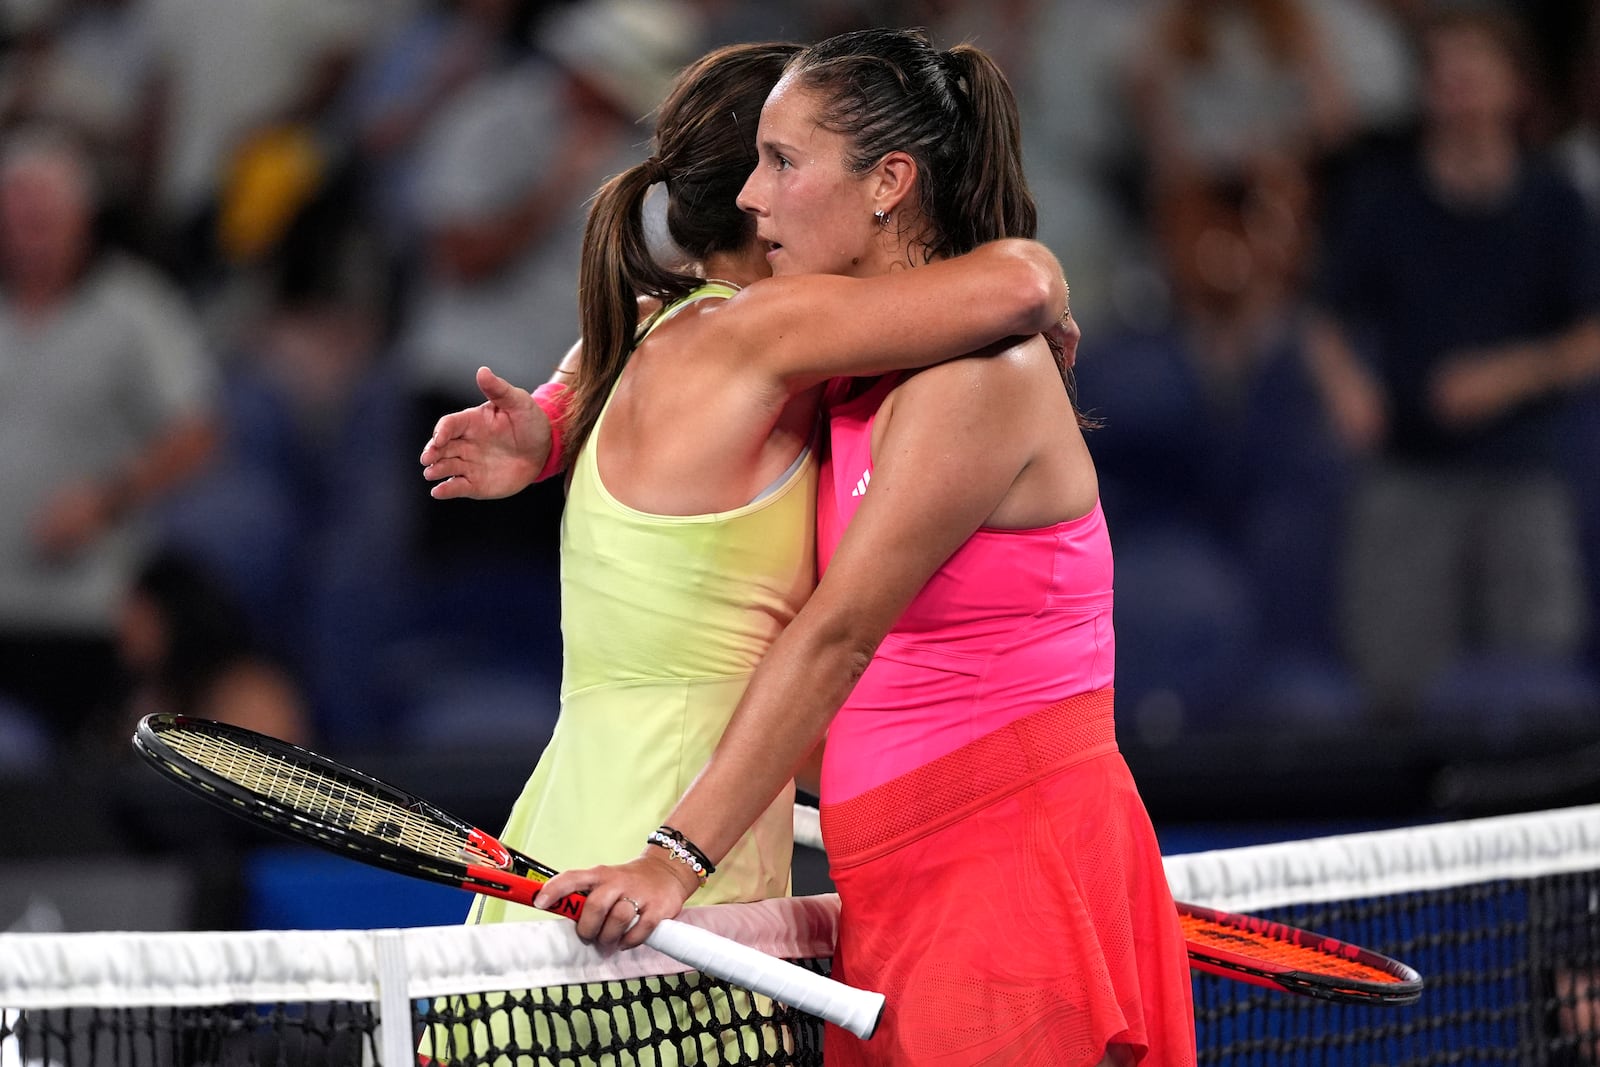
x=995, y=371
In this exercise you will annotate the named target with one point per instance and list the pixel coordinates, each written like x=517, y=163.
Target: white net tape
x=133, y=969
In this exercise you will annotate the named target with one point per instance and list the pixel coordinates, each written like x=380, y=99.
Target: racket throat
x=481, y=850
x=518, y=890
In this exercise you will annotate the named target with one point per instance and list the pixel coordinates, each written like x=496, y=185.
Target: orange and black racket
x=1278, y=956
x=317, y=800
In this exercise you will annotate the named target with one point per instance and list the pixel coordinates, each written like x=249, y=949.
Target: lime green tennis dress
x=663, y=620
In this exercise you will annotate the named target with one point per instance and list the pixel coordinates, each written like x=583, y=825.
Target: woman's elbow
x=842, y=657
x=858, y=657
x=1037, y=286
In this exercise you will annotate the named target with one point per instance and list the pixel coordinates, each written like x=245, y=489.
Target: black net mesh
x=319, y=1034
x=1512, y=972
x=645, y=1022
x=676, y=1019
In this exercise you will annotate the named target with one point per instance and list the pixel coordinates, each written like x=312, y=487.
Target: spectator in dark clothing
x=1460, y=300
x=1221, y=479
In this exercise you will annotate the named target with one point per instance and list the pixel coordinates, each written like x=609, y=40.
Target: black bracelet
x=694, y=850
x=675, y=842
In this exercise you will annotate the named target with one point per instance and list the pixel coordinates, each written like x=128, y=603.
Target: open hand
x=490, y=451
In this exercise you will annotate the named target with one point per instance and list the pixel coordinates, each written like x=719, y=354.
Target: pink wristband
x=552, y=398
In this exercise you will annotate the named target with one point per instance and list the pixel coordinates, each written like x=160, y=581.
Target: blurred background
x=1335, y=263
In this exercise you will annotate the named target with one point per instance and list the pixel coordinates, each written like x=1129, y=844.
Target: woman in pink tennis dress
x=1000, y=880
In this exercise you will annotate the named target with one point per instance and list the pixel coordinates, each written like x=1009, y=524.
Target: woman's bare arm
x=805, y=329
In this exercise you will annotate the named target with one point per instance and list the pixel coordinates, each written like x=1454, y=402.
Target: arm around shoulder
x=803, y=329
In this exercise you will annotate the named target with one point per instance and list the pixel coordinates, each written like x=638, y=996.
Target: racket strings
x=321, y=796
x=1287, y=954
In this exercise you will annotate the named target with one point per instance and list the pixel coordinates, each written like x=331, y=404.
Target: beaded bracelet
x=682, y=839
x=683, y=849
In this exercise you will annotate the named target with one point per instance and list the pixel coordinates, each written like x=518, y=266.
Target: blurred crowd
x=1336, y=264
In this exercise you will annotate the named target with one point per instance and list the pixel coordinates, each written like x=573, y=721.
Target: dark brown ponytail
x=704, y=150
x=616, y=267
x=988, y=197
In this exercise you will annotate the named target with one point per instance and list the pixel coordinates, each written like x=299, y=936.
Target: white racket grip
x=857, y=1010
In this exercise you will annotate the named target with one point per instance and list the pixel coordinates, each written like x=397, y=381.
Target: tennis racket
x=318, y=800
x=1267, y=953
x=1256, y=950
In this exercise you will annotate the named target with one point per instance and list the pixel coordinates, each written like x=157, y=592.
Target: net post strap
x=394, y=1001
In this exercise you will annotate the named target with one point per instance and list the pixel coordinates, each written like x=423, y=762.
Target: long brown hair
x=703, y=149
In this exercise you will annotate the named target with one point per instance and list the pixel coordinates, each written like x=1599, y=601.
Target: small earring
x=882, y=217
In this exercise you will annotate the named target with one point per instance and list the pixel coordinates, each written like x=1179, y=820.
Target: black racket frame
x=299, y=825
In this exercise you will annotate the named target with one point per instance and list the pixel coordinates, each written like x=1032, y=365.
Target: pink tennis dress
x=1000, y=879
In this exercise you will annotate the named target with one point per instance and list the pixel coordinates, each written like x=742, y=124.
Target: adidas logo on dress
x=861, y=484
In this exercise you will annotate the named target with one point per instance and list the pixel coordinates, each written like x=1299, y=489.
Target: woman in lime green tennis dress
x=663, y=619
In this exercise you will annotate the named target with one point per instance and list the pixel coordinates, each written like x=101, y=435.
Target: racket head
x=1276, y=955
x=322, y=802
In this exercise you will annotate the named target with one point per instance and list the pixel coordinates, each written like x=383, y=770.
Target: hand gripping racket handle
x=857, y=1010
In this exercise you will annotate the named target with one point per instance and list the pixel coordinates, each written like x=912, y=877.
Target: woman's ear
x=893, y=179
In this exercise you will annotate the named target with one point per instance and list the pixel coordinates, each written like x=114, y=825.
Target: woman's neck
x=741, y=268
x=904, y=245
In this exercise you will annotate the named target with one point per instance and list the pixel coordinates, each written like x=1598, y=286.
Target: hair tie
x=655, y=169
x=954, y=72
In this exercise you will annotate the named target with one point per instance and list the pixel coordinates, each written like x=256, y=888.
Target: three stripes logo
x=861, y=484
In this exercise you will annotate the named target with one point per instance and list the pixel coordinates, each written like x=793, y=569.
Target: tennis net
x=1501, y=916
x=526, y=994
